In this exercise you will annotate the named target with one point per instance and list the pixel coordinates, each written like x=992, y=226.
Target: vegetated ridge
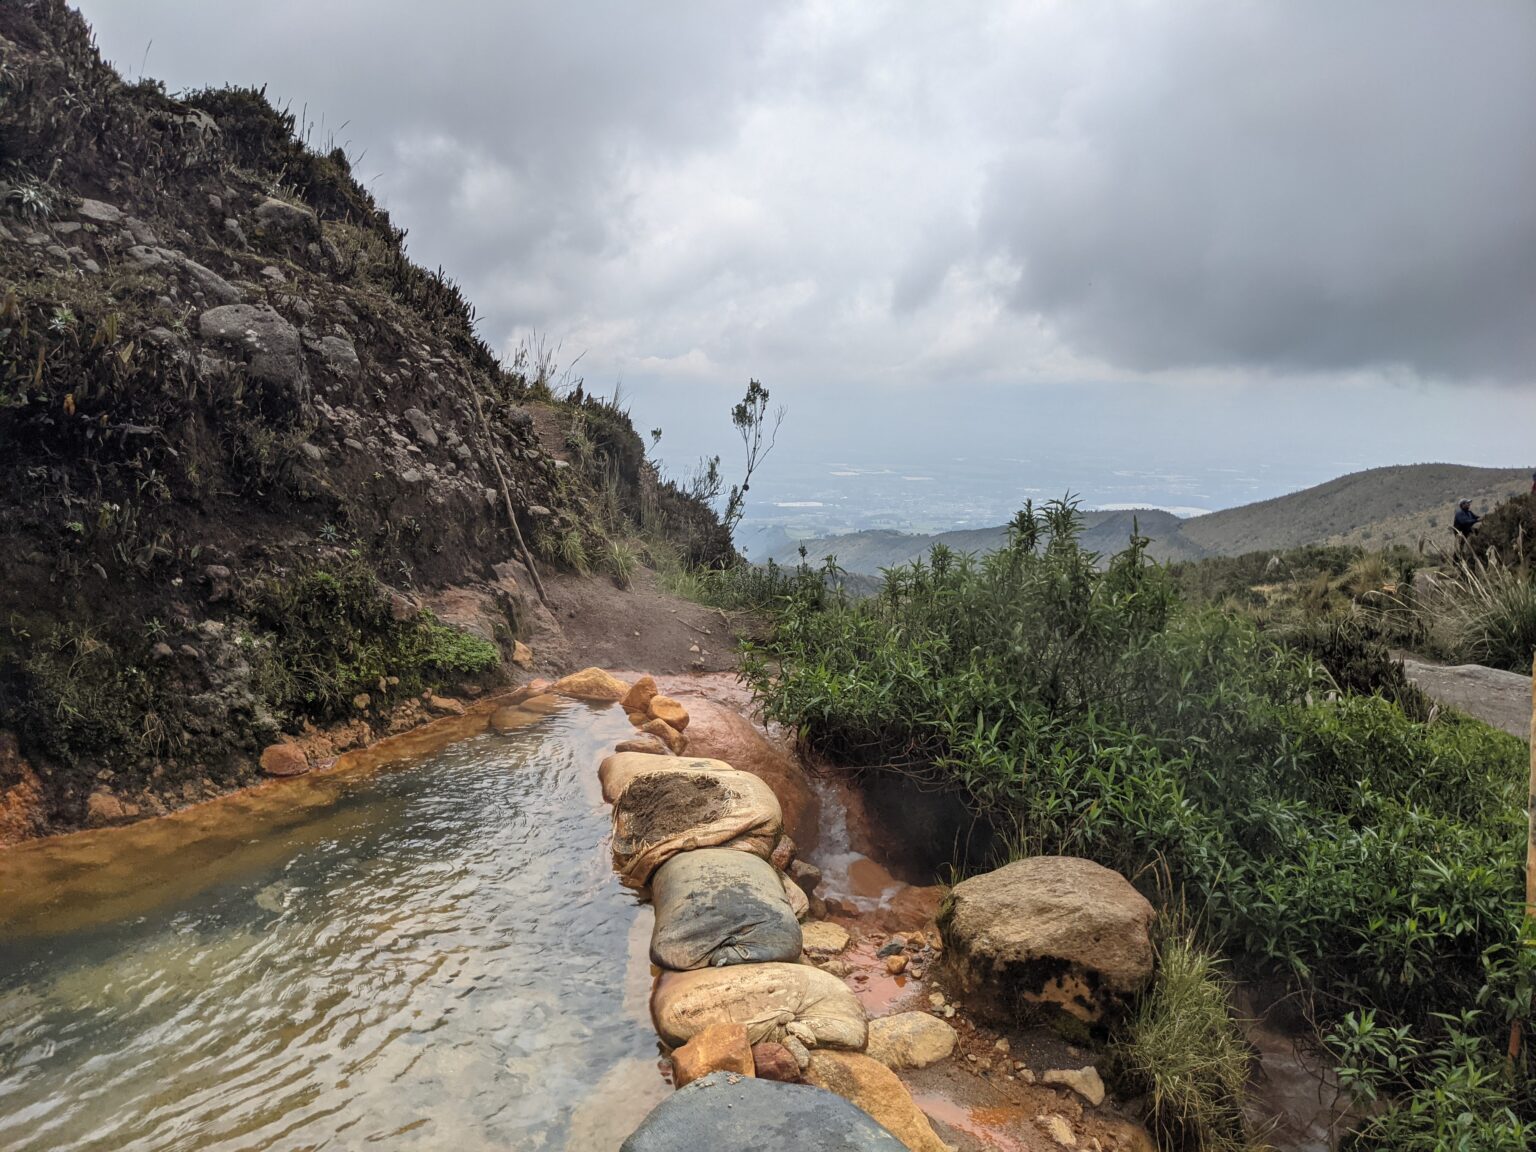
x=1376, y=508
x=245, y=443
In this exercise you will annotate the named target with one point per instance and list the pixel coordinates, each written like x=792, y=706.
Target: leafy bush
x=1368, y=857
x=331, y=634
x=1466, y=1104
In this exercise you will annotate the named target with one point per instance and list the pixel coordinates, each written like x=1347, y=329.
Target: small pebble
x=1002, y=1045
x=896, y=965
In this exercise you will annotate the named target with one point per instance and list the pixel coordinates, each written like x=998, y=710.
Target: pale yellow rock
x=1086, y=1082
x=875, y=1088
x=639, y=697
x=718, y=1048
x=821, y=939
x=668, y=709
x=668, y=735
x=591, y=684
x=910, y=1040
x=1058, y=1129
x=522, y=655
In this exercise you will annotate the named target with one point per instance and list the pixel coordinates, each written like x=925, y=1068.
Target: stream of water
x=433, y=955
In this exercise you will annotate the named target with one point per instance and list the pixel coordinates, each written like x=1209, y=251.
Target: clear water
x=435, y=955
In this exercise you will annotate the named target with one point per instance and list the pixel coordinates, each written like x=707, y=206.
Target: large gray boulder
x=1050, y=931
x=268, y=343
x=287, y=223
x=722, y=1112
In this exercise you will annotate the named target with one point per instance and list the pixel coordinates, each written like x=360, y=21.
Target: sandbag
x=799, y=902
x=772, y=1000
x=725, y=1113
x=716, y=907
x=616, y=771
x=663, y=813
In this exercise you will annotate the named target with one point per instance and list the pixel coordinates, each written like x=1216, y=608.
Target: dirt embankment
x=251, y=455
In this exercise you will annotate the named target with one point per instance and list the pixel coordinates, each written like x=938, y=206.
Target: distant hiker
x=1533, y=483
x=1466, y=519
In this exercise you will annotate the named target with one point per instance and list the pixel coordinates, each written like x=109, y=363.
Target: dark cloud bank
x=880, y=197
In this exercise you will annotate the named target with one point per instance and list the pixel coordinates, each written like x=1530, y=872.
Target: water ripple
x=434, y=956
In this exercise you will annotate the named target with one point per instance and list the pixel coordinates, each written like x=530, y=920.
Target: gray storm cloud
x=1044, y=191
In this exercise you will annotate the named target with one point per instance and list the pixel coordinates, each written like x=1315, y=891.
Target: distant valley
x=1376, y=508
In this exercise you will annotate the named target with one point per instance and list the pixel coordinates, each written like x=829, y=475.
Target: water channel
x=431, y=954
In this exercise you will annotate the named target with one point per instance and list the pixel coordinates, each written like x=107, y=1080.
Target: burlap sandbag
x=799, y=902
x=618, y=770
x=772, y=1000
x=716, y=907
x=663, y=813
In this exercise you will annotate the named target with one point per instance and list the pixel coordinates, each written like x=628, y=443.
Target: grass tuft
x=1183, y=1051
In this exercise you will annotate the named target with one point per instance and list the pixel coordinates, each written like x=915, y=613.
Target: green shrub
x=1182, y=1050
x=327, y=633
x=1467, y=1103
x=1328, y=837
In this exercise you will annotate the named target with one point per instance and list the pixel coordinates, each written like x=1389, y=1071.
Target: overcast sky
x=883, y=210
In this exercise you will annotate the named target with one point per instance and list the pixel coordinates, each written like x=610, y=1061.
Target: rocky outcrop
x=268, y=344
x=1049, y=930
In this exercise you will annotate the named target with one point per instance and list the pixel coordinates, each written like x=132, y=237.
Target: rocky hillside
x=246, y=446
x=1372, y=509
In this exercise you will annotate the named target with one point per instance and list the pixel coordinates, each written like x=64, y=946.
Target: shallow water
x=431, y=955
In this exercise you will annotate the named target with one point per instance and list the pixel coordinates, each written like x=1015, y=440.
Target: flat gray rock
x=1497, y=698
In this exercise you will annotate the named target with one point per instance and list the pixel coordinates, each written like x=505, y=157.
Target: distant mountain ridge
x=1398, y=504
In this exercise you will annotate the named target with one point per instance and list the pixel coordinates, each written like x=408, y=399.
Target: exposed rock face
x=284, y=760
x=103, y=809
x=878, y=1091
x=718, y=1048
x=268, y=343
x=290, y=223
x=1050, y=930
x=22, y=811
x=232, y=391
x=591, y=684
x=910, y=1040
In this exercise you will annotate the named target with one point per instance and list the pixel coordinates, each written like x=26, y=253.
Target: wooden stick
x=506, y=495
x=1530, y=851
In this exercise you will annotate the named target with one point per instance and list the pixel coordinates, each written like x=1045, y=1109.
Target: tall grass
x=1182, y=1050
x=1483, y=612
